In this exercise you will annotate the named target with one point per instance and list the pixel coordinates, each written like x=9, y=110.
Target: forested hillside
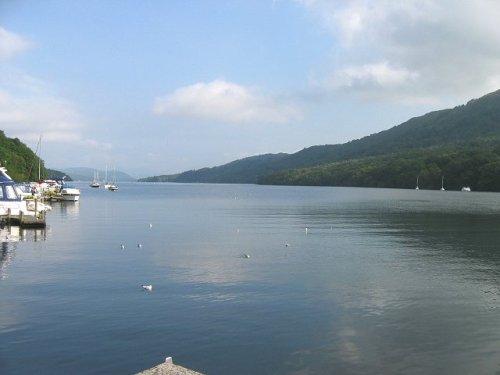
x=475, y=164
x=20, y=161
x=453, y=129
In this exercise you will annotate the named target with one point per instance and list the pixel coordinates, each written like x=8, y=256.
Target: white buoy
x=149, y=287
x=151, y=225
x=139, y=245
x=307, y=230
x=123, y=246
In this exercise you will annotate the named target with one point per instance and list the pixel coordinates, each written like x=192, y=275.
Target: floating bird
x=139, y=245
x=287, y=245
x=123, y=246
x=246, y=256
x=149, y=287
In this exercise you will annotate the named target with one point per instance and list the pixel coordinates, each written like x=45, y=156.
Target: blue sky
x=159, y=87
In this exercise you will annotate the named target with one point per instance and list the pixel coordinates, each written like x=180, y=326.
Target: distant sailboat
x=113, y=186
x=95, y=182
x=106, y=183
x=442, y=183
x=417, y=184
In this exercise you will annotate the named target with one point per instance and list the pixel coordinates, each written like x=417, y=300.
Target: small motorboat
x=70, y=194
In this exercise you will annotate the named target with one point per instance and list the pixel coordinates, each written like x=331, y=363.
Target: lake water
x=381, y=282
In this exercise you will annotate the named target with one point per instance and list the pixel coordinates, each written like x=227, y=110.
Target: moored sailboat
x=95, y=181
x=106, y=182
x=113, y=186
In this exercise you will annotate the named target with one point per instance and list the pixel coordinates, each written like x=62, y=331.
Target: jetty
x=24, y=220
x=168, y=368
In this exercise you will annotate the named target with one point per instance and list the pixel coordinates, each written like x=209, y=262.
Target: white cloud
x=28, y=117
x=28, y=107
x=421, y=48
x=53, y=118
x=380, y=74
x=11, y=44
x=226, y=102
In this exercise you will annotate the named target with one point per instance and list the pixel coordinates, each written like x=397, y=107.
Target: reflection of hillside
x=9, y=237
x=67, y=209
x=460, y=238
x=449, y=223
x=452, y=235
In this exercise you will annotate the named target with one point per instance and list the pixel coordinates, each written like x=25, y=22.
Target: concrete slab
x=168, y=368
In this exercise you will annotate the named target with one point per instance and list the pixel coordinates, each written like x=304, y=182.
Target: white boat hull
x=70, y=194
x=70, y=198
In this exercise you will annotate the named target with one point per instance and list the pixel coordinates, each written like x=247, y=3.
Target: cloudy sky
x=157, y=87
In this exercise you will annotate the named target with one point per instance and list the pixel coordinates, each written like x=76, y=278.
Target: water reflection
x=9, y=237
x=382, y=282
x=465, y=244
x=67, y=209
x=6, y=258
x=416, y=284
x=452, y=230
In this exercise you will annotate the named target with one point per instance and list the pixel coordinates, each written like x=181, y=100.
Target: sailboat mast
x=39, y=158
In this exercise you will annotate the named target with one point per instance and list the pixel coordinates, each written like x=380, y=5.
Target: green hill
x=478, y=120
x=475, y=164
x=20, y=161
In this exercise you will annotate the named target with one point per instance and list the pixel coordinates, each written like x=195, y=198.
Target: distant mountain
x=239, y=171
x=87, y=174
x=478, y=119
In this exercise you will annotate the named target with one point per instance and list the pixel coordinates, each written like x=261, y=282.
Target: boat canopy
x=4, y=177
x=8, y=190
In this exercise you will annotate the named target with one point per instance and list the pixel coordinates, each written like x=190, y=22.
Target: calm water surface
x=381, y=282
